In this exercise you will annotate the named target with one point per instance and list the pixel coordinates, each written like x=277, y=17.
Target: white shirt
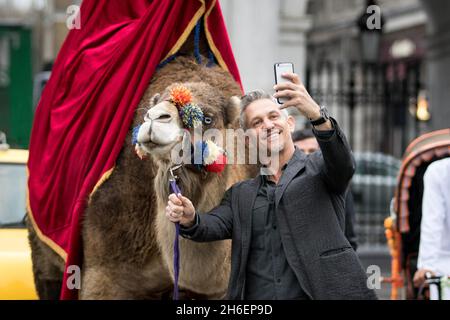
x=434, y=250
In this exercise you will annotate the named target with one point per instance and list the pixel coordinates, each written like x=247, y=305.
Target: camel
x=127, y=240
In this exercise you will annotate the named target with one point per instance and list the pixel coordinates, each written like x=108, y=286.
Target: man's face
x=308, y=145
x=272, y=128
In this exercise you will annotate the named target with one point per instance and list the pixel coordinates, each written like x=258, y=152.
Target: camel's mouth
x=152, y=147
x=149, y=145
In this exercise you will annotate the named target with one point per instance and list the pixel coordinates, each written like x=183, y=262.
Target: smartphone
x=280, y=68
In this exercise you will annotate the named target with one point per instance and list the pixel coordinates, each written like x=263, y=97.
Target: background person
x=434, y=249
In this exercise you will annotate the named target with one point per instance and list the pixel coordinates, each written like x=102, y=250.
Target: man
x=306, y=141
x=434, y=249
x=286, y=228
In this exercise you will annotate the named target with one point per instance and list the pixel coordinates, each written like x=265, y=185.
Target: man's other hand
x=180, y=209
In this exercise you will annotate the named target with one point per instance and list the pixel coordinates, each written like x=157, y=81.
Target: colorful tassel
x=191, y=115
x=180, y=96
x=213, y=157
x=218, y=165
x=134, y=135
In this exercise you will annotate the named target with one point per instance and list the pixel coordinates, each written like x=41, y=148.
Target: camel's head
x=181, y=109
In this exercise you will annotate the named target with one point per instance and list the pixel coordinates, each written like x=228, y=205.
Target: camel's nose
x=158, y=116
x=163, y=117
x=159, y=126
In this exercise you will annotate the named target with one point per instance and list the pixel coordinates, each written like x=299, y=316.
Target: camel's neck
x=162, y=179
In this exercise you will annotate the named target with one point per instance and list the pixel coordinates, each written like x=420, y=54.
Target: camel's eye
x=207, y=120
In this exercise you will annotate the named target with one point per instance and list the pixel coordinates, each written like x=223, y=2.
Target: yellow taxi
x=16, y=276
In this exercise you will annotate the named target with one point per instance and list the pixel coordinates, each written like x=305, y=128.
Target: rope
x=176, y=247
x=197, y=55
x=168, y=60
x=211, y=59
x=197, y=30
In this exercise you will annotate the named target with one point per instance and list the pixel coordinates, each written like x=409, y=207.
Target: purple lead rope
x=176, y=248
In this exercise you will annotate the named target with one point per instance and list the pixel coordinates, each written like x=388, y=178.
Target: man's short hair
x=302, y=134
x=250, y=97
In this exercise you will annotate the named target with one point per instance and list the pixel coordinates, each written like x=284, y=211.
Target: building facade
x=375, y=101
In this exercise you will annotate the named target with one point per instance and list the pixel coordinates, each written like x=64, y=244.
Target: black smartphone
x=279, y=69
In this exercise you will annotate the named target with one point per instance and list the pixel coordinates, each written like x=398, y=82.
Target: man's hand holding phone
x=297, y=96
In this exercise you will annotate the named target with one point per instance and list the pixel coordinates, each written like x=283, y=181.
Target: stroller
x=402, y=228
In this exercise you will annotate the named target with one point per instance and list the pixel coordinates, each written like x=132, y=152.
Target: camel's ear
x=233, y=110
x=154, y=100
x=146, y=103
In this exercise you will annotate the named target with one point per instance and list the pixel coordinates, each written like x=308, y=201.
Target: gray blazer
x=309, y=201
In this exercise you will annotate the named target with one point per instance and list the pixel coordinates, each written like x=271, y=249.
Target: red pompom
x=218, y=165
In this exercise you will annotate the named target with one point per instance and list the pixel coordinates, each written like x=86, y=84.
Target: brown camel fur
x=127, y=241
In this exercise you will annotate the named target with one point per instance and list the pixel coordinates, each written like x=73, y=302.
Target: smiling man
x=286, y=227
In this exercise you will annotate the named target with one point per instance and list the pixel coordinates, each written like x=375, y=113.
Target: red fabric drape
x=88, y=104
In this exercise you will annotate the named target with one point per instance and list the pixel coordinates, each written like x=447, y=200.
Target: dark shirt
x=269, y=275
